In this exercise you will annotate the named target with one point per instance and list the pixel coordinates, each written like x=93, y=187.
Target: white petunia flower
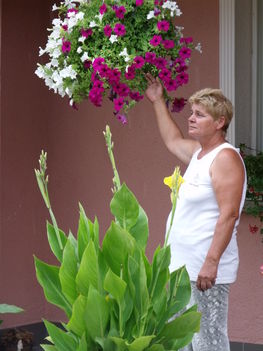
x=85, y=57
x=100, y=16
x=124, y=52
x=56, y=22
x=72, y=22
x=173, y=7
x=150, y=15
x=68, y=72
x=40, y=72
x=79, y=50
x=69, y=92
x=56, y=53
x=80, y=15
x=93, y=24
x=41, y=51
x=54, y=62
x=113, y=38
x=81, y=39
x=199, y=48
x=55, y=7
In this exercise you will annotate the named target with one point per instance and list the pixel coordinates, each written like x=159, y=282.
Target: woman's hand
x=207, y=275
x=154, y=92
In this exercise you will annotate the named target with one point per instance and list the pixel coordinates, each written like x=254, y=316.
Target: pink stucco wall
x=33, y=118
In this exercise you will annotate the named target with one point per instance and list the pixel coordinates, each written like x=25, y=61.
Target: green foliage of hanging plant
x=113, y=297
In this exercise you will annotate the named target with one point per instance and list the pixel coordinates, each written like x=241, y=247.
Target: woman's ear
x=221, y=121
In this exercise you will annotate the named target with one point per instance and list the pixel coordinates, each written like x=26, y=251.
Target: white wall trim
x=227, y=55
x=254, y=75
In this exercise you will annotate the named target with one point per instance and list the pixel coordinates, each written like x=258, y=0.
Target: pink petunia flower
x=156, y=40
x=103, y=9
x=120, y=11
x=107, y=30
x=66, y=46
x=139, y=2
x=163, y=26
x=86, y=32
x=119, y=30
x=122, y=118
x=139, y=62
x=118, y=104
x=168, y=44
x=185, y=52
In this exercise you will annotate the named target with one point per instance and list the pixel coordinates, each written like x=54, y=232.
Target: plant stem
x=109, y=143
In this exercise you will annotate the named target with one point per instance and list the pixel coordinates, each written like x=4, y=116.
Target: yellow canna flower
x=175, y=180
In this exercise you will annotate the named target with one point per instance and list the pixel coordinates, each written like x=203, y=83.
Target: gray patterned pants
x=213, y=304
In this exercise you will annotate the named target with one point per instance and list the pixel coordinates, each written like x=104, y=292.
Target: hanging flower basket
x=99, y=48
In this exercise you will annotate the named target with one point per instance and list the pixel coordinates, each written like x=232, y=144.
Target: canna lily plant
x=113, y=297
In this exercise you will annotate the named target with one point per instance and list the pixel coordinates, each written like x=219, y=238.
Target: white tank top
x=195, y=220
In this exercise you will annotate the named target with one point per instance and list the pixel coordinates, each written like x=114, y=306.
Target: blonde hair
x=215, y=103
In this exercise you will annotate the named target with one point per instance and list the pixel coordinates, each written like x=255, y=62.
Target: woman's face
x=201, y=123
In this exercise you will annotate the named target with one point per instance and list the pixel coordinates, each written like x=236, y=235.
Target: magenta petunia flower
x=163, y=26
x=170, y=84
x=65, y=27
x=103, y=70
x=86, y=32
x=95, y=96
x=66, y=46
x=150, y=57
x=107, y=30
x=103, y=9
x=178, y=104
x=98, y=84
x=139, y=2
x=187, y=40
x=119, y=30
x=129, y=75
x=71, y=11
x=118, y=104
x=165, y=74
x=120, y=11
x=97, y=63
x=136, y=96
x=156, y=40
x=160, y=62
x=185, y=52
x=87, y=64
x=138, y=61
x=182, y=78
x=122, y=118
x=168, y=44
x=114, y=76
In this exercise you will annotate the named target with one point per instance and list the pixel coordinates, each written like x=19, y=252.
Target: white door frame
x=227, y=56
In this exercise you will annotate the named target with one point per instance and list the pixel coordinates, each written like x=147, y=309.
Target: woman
x=210, y=202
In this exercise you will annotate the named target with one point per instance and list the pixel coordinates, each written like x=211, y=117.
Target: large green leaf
x=125, y=207
x=83, y=346
x=68, y=271
x=181, y=326
x=96, y=314
x=83, y=231
x=119, y=342
x=53, y=241
x=49, y=347
x=140, y=230
x=76, y=322
x=48, y=278
x=117, y=244
x=4, y=308
x=180, y=290
x=140, y=343
x=178, y=344
x=156, y=347
x=115, y=285
x=63, y=341
x=89, y=272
